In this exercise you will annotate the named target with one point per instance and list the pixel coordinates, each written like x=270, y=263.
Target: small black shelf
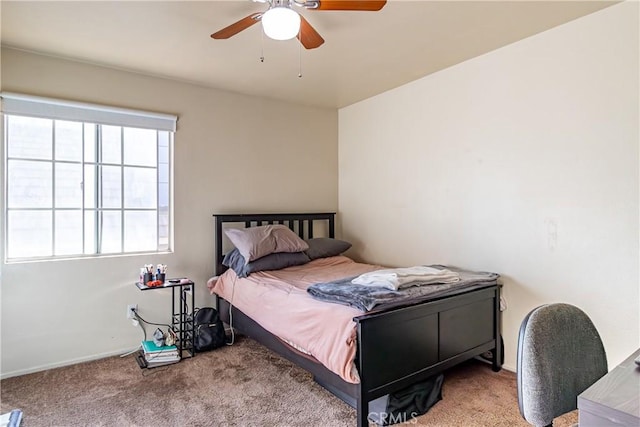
x=182, y=320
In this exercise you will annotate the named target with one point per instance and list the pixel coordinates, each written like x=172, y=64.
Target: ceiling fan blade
x=235, y=28
x=372, y=5
x=308, y=36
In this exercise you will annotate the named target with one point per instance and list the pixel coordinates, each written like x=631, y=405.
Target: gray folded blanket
x=365, y=298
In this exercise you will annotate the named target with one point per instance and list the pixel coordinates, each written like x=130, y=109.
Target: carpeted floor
x=242, y=385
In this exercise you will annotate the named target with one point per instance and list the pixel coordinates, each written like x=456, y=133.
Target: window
x=85, y=180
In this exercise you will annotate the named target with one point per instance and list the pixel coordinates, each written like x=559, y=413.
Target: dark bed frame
x=397, y=347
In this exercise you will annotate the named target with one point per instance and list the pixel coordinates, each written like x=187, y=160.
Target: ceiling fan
x=282, y=22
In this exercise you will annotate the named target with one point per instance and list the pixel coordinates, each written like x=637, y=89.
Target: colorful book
x=154, y=364
x=11, y=419
x=152, y=358
x=151, y=347
x=172, y=355
x=162, y=355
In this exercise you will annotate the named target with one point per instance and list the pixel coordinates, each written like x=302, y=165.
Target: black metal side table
x=182, y=319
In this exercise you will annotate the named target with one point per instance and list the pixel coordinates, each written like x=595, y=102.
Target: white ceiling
x=365, y=53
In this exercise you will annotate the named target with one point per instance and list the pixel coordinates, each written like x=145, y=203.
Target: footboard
x=400, y=347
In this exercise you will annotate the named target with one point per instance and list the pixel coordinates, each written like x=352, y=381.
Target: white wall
x=233, y=153
x=523, y=161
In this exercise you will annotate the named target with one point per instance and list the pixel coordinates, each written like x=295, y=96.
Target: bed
x=426, y=337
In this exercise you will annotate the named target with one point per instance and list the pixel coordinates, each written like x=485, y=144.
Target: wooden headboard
x=301, y=223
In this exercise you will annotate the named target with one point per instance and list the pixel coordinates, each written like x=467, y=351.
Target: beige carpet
x=243, y=385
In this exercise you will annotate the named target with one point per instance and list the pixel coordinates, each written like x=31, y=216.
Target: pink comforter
x=279, y=302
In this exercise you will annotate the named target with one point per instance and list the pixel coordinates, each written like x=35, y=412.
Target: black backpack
x=209, y=332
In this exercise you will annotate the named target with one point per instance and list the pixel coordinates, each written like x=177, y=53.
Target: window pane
x=163, y=196
x=90, y=232
x=111, y=230
x=163, y=229
x=111, y=147
x=68, y=237
x=140, y=147
x=29, y=234
x=90, y=142
x=89, y=186
x=163, y=138
x=140, y=231
x=29, y=137
x=163, y=172
x=111, y=188
x=163, y=147
x=68, y=140
x=68, y=185
x=29, y=184
x=140, y=189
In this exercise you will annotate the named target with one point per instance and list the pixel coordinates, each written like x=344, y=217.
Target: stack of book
x=158, y=356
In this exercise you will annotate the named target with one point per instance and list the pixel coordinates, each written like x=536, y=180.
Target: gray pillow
x=276, y=261
x=324, y=247
x=256, y=242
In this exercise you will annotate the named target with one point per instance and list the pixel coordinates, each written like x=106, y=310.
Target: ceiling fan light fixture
x=281, y=23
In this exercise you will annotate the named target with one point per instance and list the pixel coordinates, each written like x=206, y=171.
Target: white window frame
x=39, y=107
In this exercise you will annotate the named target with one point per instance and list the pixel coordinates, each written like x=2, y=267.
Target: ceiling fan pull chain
x=261, y=46
x=299, y=60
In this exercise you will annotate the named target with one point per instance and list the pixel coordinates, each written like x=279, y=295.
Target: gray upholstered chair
x=560, y=354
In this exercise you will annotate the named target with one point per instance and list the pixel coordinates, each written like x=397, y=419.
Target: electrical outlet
x=131, y=311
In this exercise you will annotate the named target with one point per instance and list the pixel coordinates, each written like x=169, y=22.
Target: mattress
x=278, y=301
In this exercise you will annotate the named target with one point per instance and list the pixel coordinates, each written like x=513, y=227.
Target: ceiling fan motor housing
x=309, y=4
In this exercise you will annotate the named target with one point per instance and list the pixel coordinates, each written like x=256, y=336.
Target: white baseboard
x=69, y=362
